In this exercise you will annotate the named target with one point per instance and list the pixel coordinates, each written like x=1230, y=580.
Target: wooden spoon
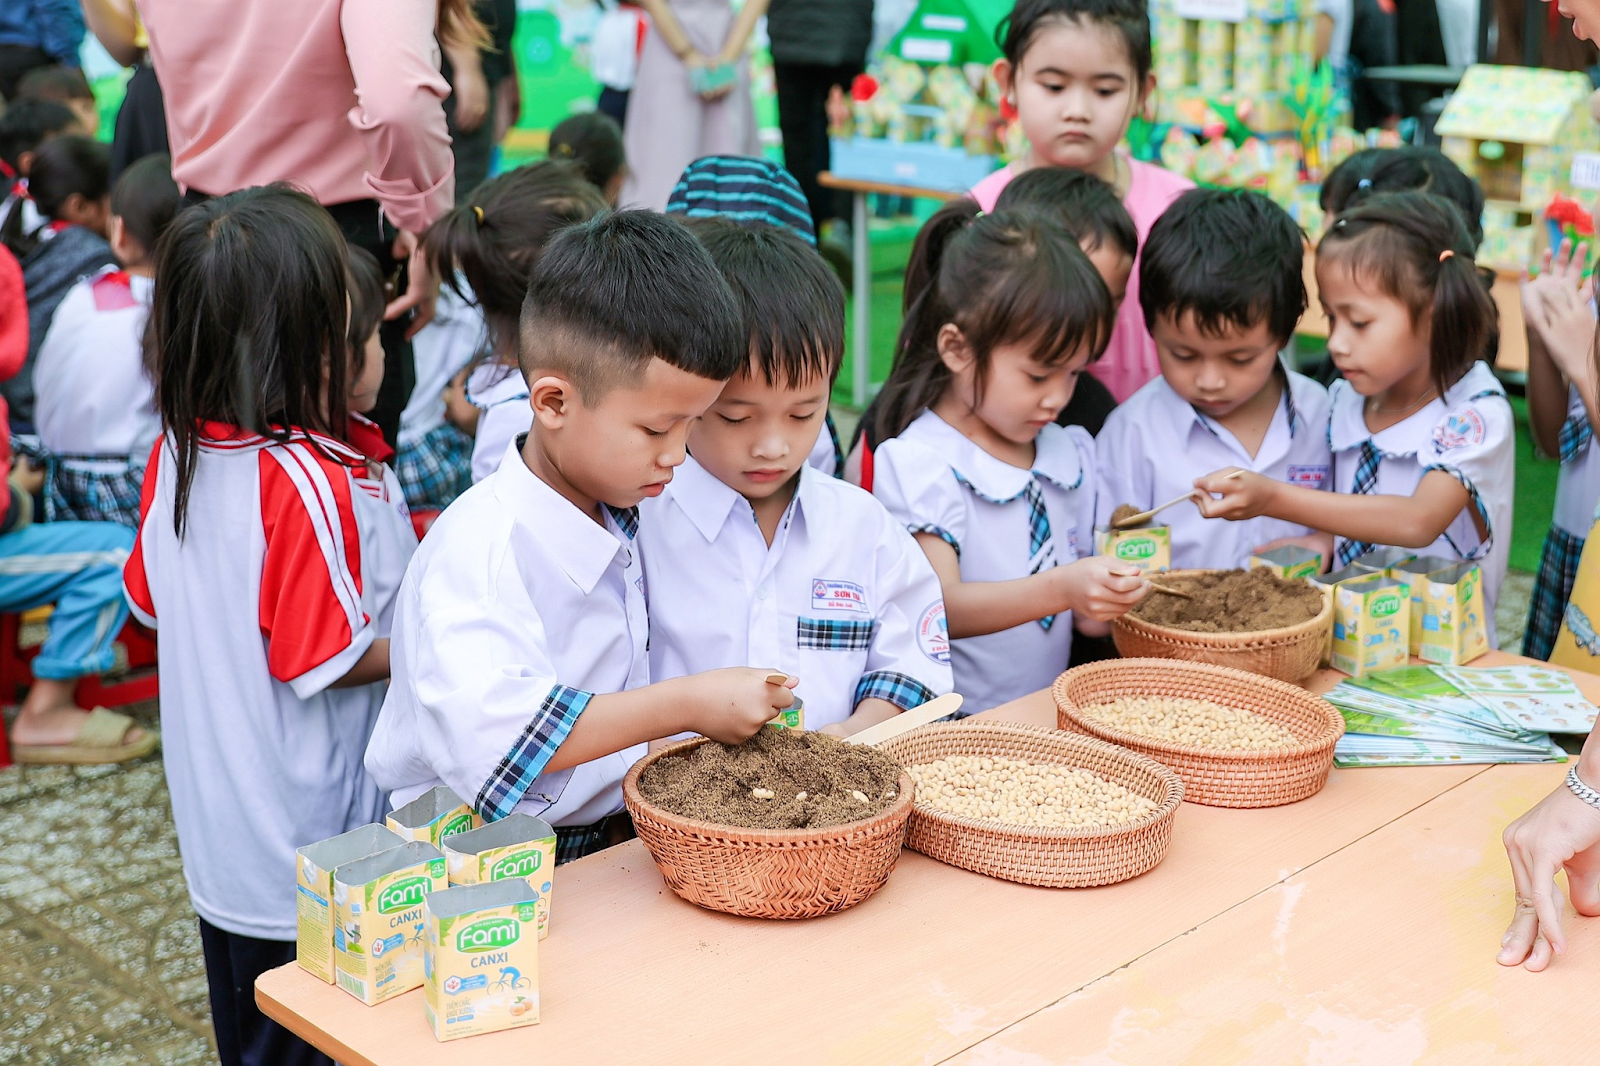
x=1168, y=590
x=1144, y=516
x=932, y=711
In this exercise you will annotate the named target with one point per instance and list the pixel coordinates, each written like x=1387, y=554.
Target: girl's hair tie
x=477, y=213
x=564, y=151
x=1364, y=183
x=1446, y=254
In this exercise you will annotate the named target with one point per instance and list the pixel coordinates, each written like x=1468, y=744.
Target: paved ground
x=99, y=955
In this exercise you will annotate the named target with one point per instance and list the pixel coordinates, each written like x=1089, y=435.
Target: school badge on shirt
x=1310, y=477
x=933, y=633
x=1460, y=430
x=838, y=596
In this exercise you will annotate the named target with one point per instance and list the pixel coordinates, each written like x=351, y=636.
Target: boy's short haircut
x=364, y=279
x=57, y=82
x=147, y=199
x=26, y=124
x=791, y=303
x=613, y=293
x=1080, y=203
x=1229, y=256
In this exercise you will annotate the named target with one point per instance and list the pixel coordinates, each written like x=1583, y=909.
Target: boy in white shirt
x=752, y=556
x=520, y=671
x=1222, y=288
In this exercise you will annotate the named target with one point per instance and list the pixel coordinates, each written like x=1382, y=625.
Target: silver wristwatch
x=1581, y=790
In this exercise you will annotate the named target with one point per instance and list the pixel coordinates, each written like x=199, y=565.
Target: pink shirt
x=339, y=97
x=1130, y=359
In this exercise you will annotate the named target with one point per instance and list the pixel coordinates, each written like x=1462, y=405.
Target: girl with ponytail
x=1420, y=428
x=1005, y=312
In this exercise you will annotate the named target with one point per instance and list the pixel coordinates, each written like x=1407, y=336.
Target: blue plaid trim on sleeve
x=528, y=757
x=1574, y=437
x=938, y=531
x=902, y=690
x=834, y=634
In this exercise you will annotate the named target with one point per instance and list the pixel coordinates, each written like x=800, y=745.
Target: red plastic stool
x=141, y=682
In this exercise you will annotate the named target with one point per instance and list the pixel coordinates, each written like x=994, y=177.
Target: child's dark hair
x=147, y=200
x=68, y=166
x=1017, y=31
x=26, y=124
x=611, y=294
x=57, y=82
x=1415, y=248
x=1379, y=170
x=1229, y=257
x=594, y=142
x=495, y=239
x=1081, y=203
x=248, y=322
x=1012, y=277
x=364, y=278
x=791, y=301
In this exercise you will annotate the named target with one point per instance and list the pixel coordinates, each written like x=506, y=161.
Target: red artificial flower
x=863, y=88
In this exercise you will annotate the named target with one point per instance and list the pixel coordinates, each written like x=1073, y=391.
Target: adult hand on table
x=1562, y=831
x=422, y=288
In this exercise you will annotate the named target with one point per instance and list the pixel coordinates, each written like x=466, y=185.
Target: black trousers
x=245, y=1036
x=141, y=128
x=803, y=120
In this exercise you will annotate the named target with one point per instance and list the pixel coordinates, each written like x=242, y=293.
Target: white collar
x=708, y=501
x=569, y=538
x=1347, y=427
x=1056, y=458
x=493, y=383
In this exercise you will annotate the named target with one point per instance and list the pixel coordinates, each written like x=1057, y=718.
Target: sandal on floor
x=101, y=739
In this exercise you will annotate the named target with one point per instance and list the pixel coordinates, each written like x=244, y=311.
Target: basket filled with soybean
x=1237, y=739
x=1035, y=805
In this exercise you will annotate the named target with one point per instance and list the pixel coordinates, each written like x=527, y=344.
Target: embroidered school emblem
x=1460, y=430
x=933, y=633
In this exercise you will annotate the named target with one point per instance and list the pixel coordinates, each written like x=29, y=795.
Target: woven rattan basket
x=1054, y=858
x=768, y=873
x=1215, y=778
x=1288, y=654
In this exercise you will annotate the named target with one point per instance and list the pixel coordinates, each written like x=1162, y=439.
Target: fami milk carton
x=314, y=866
x=432, y=816
x=518, y=845
x=1371, y=624
x=1412, y=573
x=1147, y=548
x=1455, y=628
x=1289, y=562
x=377, y=902
x=480, y=958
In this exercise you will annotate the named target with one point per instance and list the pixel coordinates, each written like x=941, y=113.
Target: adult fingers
x=1583, y=882
x=1547, y=900
x=1519, y=936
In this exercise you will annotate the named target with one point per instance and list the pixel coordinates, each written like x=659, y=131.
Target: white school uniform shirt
x=1468, y=434
x=501, y=393
x=94, y=397
x=1155, y=444
x=270, y=596
x=1578, y=484
x=517, y=609
x=442, y=347
x=843, y=599
x=934, y=479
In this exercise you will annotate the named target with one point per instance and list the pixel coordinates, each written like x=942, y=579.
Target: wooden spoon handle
x=932, y=711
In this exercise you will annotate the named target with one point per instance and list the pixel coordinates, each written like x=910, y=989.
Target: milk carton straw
x=480, y=958
x=1455, y=628
x=432, y=816
x=1412, y=572
x=377, y=903
x=314, y=866
x=518, y=845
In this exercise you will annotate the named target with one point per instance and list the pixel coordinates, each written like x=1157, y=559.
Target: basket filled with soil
x=1236, y=738
x=789, y=824
x=1248, y=619
x=1036, y=806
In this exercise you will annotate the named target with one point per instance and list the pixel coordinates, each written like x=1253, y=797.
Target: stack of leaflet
x=1428, y=715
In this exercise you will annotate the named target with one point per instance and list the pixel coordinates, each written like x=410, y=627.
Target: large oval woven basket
x=1291, y=653
x=1215, y=778
x=1054, y=858
x=768, y=873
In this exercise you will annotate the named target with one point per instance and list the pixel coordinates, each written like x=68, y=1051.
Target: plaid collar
x=1056, y=458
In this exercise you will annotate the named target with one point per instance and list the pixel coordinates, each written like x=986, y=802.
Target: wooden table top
x=829, y=180
x=943, y=962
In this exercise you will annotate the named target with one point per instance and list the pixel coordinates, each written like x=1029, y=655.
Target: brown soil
x=1231, y=601
x=715, y=782
x=1126, y=510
